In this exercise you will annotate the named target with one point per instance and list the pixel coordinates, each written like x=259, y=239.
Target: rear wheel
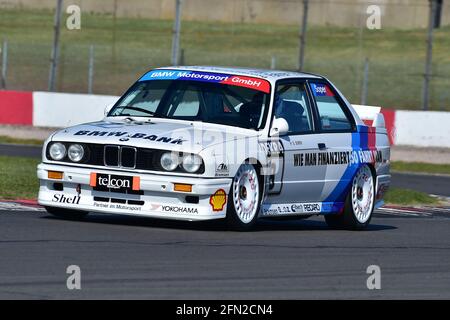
x=359, y=203
x=66, y=213
x=244, y=199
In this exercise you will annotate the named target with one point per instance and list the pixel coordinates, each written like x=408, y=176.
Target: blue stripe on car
x=359, y=142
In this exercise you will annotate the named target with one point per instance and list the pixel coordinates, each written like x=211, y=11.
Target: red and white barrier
x=48, y=109
x=67, y=109
x=16, y=107
x=422, y=128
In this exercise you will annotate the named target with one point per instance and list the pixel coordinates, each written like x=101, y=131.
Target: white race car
x=200, y=143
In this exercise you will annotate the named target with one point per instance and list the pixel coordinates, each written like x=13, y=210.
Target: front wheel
x=244, y=198
x=66, y=213
x=359, y=203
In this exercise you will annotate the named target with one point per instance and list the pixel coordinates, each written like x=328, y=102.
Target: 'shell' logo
x=61, y=198
x=218, y=200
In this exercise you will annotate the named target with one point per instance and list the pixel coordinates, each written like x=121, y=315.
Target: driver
x=251, y=111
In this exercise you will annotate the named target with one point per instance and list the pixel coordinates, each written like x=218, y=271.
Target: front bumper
x=157, y=197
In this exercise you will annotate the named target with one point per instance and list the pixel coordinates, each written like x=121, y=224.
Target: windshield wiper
x=129, y=107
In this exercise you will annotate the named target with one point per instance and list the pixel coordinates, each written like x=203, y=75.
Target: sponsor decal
x=173, y=209
x=218, y=200
x=125, y=207
x=222, y=170
x=247, y=82
x=143, y=136
x=295, y=143
x=104, y=182
x=307, y=207
x=272, y=148
x=322, y=158
x=100, y=133
x=337, y=158
x=117, y=206
x=321, y=90
x=62, y=198
x=178, y=209
x=234, y=80
x=292, y=208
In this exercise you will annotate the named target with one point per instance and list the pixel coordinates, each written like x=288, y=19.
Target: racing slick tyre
x=66, y=213
x=244, y=199
x=359, y=203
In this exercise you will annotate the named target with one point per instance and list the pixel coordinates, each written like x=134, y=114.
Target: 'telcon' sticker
x=218, y=200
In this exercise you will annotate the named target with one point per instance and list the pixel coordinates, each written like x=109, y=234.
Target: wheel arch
x=375, y=179
x=373, y=171
x=254, y=161
x=261, y=177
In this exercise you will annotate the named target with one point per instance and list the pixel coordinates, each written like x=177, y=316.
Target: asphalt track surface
x=20, y=150
x=431, y=184
x=136, y=258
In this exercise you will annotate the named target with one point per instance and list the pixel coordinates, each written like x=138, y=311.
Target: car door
x=301, y=181
x=337, y=137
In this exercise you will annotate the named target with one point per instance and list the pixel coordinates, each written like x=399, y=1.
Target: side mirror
x=279, y=127
x=108, y=109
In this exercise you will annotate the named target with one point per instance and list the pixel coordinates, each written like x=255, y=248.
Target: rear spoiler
x=371, y=116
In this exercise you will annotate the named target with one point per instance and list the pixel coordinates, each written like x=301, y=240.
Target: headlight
x=57, y=151
x=191, y=163
x=170, y=161
x=75, y=152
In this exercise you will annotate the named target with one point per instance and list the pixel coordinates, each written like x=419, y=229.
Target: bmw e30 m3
x=200, y=143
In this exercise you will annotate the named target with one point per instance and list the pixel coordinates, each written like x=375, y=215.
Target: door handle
x=321, y=146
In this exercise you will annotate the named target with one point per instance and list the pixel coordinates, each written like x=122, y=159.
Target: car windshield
x=194, y=100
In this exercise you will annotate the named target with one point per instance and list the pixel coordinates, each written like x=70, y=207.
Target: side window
x=332, y=116
x=292, y=105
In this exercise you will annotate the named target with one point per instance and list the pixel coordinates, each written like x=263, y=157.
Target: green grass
x=18, y=178
x=127, y=47
x=420, y=167
x=7, y=139
x=408, y=197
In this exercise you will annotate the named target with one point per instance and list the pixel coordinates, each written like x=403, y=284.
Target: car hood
x=165, y=134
